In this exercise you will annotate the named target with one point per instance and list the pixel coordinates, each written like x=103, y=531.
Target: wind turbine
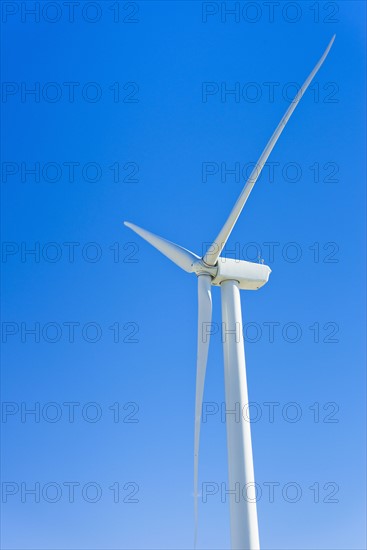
x=232, y=276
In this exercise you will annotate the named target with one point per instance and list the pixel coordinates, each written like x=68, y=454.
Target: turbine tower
x=232, y=276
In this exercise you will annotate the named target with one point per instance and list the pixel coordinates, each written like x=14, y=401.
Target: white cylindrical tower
x=243, y=508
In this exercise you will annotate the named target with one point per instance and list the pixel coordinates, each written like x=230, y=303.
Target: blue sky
x=130, y=120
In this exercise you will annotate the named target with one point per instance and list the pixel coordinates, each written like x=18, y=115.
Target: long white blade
x=180, y=256
x=213, y=253
x=204, y=320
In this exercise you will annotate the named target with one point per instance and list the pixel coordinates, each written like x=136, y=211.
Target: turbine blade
x=204, y=318
x=213, y=253
x=180, y=256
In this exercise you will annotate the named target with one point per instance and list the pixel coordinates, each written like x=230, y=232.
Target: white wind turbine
x=231, y=275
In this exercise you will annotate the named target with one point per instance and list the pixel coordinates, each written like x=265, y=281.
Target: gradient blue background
x=169, y=133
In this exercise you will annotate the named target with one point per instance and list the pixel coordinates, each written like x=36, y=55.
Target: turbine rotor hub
x=201, y=268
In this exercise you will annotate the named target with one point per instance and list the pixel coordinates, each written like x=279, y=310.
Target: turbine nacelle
x=249, y=275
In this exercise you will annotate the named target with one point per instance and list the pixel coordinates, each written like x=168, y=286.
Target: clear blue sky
x=145, y=95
